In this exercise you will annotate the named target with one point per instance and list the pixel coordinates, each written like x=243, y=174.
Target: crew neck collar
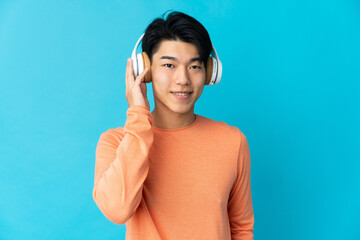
x=197, y=119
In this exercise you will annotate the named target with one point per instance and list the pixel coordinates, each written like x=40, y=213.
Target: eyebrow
x=176, y=60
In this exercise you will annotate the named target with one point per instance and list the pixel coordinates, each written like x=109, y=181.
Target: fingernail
x=128, y=59
x=146, y=69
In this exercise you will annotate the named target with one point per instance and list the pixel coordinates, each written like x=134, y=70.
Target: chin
x=181, y=109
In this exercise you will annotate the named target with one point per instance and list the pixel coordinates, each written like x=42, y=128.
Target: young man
x=173, y=174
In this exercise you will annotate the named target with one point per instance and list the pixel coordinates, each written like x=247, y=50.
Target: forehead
x=177, y=49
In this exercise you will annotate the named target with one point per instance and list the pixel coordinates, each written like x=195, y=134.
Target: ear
x=147, y=65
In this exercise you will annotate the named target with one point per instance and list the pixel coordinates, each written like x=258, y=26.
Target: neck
x=172, y=120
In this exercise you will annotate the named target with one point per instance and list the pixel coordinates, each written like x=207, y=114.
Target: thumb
x=143, y=88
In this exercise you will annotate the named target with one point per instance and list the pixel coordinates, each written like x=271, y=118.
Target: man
x=173, y=174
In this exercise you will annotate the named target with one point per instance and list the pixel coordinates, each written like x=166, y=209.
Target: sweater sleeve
x=240, y=208
x=122, y=166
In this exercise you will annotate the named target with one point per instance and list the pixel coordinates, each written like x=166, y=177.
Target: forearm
x=118, y=189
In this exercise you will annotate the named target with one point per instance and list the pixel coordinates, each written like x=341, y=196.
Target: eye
x=168, y=65
x=196, y=67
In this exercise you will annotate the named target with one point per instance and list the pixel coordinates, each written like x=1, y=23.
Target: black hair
x=177, y=26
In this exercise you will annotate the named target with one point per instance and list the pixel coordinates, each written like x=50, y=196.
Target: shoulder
x=112, y=135
x=223, y=129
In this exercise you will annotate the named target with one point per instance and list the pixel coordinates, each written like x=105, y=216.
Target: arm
x=240, y=207
x=122, y=167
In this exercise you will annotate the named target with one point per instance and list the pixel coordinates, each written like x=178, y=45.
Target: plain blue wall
x=290, y=83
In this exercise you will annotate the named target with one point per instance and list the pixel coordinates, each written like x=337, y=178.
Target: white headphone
x=142, y=61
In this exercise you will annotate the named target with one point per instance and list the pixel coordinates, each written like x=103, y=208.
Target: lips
x=182, y=92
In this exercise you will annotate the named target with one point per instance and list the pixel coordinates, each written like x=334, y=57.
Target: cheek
x=200, y=90
x=199, y=82
x=160, y=80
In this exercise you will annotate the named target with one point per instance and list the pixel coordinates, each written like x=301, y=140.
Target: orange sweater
x=187, y=183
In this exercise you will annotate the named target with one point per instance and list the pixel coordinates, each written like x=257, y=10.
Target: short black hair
x=177, y=26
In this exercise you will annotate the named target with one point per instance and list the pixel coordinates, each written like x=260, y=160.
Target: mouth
x=182, y=94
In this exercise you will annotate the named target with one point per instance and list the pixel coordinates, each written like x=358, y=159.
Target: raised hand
x=135, y=88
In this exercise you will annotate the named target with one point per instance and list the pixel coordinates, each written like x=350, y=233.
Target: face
x=175, y=68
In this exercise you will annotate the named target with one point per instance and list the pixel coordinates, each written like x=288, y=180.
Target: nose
x=182, y=76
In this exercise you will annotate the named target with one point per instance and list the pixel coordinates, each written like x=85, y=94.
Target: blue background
x=290, y=83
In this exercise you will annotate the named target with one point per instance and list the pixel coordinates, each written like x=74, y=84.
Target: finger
x=129, y=76
x=139, y=78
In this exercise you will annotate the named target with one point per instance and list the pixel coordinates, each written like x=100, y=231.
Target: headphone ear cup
x=219, y=71
x=214, y=78
x=135, y=65
x=147, y=65
x=209, y=70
